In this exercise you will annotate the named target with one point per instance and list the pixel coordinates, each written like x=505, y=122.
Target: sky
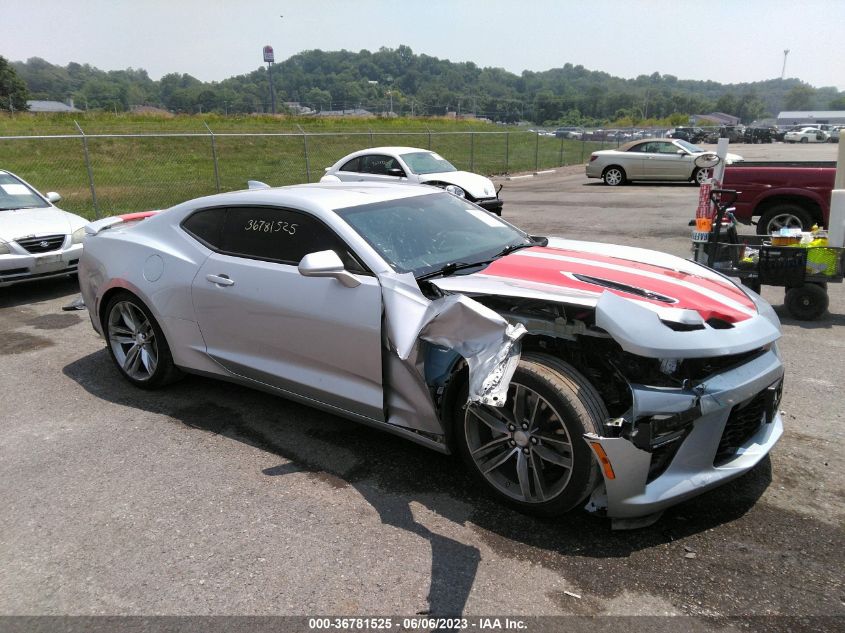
x=728, y=41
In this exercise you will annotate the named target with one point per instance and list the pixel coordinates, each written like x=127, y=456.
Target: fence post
x=583, y=145
x=429, y=138
x=90, y=171
x=371, y=136
x=560, y=154
x=472, y=151
x=507, y=151
x=537, y=152
x=305, y=145
x=214, y=156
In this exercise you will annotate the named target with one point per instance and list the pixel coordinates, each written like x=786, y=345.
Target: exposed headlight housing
x=4, y=248
x=78, y=236
x=455, y=190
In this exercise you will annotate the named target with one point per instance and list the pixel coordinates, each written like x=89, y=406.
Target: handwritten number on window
x=268, y=226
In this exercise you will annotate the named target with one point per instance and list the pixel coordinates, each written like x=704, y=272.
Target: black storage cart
x=803, y=271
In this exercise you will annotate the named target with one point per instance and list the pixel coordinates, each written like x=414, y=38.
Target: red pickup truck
x=781, y=194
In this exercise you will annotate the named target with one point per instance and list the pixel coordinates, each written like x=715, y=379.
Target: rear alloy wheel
x=808, y=302
x=784, y=216
x=699, y=176
x=531, y=452
x=805, y=140
x=614, y=176
x=136, y=343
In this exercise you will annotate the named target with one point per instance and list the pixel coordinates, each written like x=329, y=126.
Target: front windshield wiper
x=452, y=267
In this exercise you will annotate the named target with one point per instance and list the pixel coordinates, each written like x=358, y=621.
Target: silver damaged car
x=564, y=373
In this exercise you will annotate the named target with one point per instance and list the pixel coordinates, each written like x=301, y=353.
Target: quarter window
x=352, y=165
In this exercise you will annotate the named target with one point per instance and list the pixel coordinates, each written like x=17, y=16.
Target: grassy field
x=139, y=173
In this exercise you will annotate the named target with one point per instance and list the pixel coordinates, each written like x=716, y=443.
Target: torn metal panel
x=485, y=339
x=639, y=330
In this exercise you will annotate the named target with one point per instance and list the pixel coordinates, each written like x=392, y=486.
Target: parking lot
x=212, y=499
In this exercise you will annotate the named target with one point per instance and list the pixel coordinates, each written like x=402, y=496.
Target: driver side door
x=262, y=320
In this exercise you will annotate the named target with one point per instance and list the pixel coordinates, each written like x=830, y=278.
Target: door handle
x=220, y=280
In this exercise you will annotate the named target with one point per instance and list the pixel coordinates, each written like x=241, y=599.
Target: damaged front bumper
x=677, y=443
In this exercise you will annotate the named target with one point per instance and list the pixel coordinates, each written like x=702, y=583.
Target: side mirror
x=396, y=171
x=681, y=152
x=327, y=264
x=53, y=197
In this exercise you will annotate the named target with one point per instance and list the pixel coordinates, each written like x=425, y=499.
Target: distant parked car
x=37, y=239
x=806, y=135
x=651, y=159
x=760, y=134
x=413, y=165
x=569, y=131
x=690, y=134
x=834, y=134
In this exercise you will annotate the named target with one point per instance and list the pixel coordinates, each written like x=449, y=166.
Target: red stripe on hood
x=553, y=271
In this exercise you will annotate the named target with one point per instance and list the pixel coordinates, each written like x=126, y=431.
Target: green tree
x=838, y=103
x=799, y=98
x=13, y=90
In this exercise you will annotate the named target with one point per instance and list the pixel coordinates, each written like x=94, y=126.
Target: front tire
x=699, y=176
x=531, y=453
x=614, y=176
x=136, y=343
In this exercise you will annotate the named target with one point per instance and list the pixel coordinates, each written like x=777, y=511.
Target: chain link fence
x=105, y=174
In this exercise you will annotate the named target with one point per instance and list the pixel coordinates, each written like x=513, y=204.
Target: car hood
x=477, y=186
x=19, y=223
x=638, y=294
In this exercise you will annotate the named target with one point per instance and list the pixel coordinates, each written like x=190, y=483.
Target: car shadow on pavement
x=826, y=321
x=35, y=292
x=391, y=474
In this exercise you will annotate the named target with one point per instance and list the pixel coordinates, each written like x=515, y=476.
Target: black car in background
x=689, y=134
x=760, y=134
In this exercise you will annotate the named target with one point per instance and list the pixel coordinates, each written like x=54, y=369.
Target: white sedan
x=37, y=239
x=650, y=159
x=806, y=135
x=414, y=165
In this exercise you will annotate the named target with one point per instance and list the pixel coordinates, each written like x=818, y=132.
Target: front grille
x=43, y=244
x=701, y=368
x=744, y=421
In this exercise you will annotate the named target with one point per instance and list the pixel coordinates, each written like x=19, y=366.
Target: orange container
x=703, y=224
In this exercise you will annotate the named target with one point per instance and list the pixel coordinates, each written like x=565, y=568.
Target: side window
x=206, y=226
x=666, y=148
x=377, y=164
x=639, y=148
x=352, y=165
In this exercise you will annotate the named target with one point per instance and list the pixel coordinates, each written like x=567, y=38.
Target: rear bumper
x=701, y=461
x=16, y=268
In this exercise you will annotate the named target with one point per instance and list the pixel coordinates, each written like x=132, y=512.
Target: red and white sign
x=268, y=54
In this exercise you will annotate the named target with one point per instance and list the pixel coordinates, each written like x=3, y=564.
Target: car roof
x=326, y=196
x=393, y=149
x=630, y=144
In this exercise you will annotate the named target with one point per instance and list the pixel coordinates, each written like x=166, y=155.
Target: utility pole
x=783, y=70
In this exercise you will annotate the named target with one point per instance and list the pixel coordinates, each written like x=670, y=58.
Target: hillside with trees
x=407, y=84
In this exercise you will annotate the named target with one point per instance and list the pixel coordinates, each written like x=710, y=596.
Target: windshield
x=16, y=195
x=427, y=163
x=693, y=149
x=425, y=233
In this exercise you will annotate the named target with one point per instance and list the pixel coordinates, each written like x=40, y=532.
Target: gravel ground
x=212, y=499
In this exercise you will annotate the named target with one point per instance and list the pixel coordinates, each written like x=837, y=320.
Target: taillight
x=593, y=157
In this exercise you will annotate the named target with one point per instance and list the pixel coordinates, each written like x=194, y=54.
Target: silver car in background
x=649, y=159
x=563, y=372
x=37, y=239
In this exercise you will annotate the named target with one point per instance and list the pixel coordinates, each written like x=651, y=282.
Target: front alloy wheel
x=531, y=452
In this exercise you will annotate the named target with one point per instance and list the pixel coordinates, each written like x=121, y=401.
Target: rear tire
x=784, y=215
x=805, y=140
x=614, y=176
x=531, y=453
x=136, y=343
